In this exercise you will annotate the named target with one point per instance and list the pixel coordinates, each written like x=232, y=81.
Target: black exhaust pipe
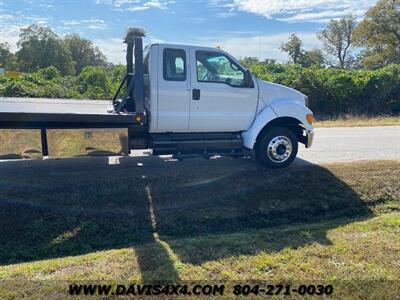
x=133, y=101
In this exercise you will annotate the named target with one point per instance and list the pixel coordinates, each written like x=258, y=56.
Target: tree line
x=372, y=43
x=40, y=47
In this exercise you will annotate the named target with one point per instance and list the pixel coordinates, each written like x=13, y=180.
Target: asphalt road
x=353, y=143
x=334, y=145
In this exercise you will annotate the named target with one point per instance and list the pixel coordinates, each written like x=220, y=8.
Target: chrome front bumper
x=309, y=138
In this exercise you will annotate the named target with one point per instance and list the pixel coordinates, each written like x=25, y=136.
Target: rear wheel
x=276, y=147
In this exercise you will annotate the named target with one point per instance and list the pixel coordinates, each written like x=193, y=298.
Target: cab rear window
x=174, y=68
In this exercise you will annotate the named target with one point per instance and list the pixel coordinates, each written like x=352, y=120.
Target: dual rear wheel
x=276, y=147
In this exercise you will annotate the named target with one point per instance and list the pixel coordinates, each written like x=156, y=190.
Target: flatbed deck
x=43, y=114
x=129, y=111
x=32, y=113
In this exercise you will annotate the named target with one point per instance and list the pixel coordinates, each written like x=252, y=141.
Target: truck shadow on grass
x=191, y=211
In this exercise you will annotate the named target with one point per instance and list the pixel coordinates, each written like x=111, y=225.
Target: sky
x=241, y=27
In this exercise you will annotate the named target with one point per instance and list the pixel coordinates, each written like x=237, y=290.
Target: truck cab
x=201, y=99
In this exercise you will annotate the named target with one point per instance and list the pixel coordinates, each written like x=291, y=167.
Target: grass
x=358, y=121
x=217, y=220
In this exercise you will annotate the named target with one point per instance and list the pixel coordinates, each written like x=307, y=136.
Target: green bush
x=45, y=83
x=49, y=73
x=93, y=83
x=331, y=92
x=3, y=83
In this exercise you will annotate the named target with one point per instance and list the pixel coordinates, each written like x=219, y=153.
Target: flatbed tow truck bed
x=129, y=112
x=30, y=113
x=43, y=114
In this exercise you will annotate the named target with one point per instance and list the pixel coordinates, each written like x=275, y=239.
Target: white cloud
x=39, y=20
x=11, y=23
x=298, y=10
x=137, y=5
x=90, y=23
x=47, y=6
x=10, y=34
x=112, y=48
x=225, y=15
x=196, y=20
x=4, y=18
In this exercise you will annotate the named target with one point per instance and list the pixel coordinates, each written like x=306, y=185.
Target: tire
x=276, y=147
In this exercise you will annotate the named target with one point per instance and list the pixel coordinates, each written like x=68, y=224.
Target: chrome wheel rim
x=279, y=149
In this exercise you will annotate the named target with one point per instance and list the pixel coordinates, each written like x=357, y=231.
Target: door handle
x=196, y=94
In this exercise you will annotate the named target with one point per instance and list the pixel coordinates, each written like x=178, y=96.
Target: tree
x=379, y=33
x=84, y=53
x=293, y=48
x=49, y=73
x=40, y=48
x=94, y=83
x=338, y=39
x=248, y=61
x=8, y=59
x=313, y=57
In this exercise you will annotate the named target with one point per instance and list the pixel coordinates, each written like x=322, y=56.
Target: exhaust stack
x=133, y=100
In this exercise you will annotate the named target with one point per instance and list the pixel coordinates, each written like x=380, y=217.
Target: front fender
x=278, y=109
x=288, y=108
x=249, y=137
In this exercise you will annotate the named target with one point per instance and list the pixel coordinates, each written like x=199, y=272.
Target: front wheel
x=276, y=147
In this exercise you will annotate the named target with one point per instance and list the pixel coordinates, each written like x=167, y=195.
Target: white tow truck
x=182, y=100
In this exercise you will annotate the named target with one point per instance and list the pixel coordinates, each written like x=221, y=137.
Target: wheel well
x=290, y=123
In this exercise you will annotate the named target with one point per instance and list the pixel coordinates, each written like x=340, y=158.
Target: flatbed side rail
x=134, y=123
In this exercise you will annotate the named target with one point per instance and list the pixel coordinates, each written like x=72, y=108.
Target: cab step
x=197, y=143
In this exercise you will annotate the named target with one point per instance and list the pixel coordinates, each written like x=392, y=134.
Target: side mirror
x=248, y=79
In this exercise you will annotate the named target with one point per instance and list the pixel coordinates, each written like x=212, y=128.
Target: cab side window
x=174, y=65
x=218, y=68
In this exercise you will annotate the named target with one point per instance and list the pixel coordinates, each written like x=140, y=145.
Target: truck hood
x=270, y=93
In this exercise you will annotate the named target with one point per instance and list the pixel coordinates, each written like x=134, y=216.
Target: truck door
x=220, y=102
x=173, y=89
